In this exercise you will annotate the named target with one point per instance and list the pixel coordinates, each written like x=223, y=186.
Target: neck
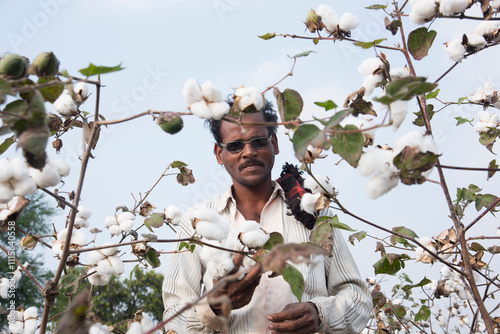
x=251, y=200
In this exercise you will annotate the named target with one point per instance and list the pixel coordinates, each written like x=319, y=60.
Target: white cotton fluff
x=30, y=320
x=210, y=92
x=207, y=214
x=65, y=104
x=83, y=212
x=218, y=109
x=16, y=326
x=23, y=187
x=249, y=225
x=60, y=166
x=329, y=17
x=173, y=214
x=57, y=249
x=110, y=250
x=82, y=89
x=116, y=265
x=200, y=109
x=376, y=161
x=370, y=65
x=455, y=50
x=115, y=229
x=97, y=279
x=248, y=96
x=348, y=22
x=415, y=139
x=98, y=328
x=110, y=221
x=370, y=82
x=495, y=4
x=104, y=267
x=47, y=177
x=125, y=216
x=308, y=202
x=377, y=186
x=78, y=238
x=147, y=323
x=254, y=239
x=486, y=122
x=4, y=287
x=484, y=94
x=135, y=328
x=399, y=73
x=362, y=122
x=6, y=192
x=6, y=170
x=476, y=41
x=220, y=267
x=93, y=257
x=452, y=7
x=211, y=230
x=398, y=113
x=16, y=276
x=19, y=169
x=126, y=225
x=422, y=11
x=311, y=184
x=487, y=27
x=192, y=92
x=81, y=222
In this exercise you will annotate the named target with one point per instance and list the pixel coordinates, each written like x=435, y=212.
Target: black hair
x=268, y=111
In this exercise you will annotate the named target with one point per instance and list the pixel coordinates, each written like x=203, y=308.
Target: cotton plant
x=365, y=123
x=6, y=283
x=82, y=216
x=78, y=240
x=319, y=184
x=173, y=214
x=208, y=224
x=204, y=101
x=252, y=235
x=119, y=224
x=331, y=21
x=245, y=97
x=68, y=102
x=141, y=324
x=98, y=328
x=25, y=321
x=372, y=70
x=105, y=262
x=486, y=122
x=423, y=11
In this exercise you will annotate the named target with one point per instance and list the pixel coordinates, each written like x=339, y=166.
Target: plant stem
x=24, y=269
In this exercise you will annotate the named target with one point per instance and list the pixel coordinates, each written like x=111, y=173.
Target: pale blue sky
x=161, y=44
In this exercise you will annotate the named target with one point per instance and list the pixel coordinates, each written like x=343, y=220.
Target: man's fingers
x=293, y=312
x=237, y=261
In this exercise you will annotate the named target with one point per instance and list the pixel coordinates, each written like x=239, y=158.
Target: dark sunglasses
x=238, y=145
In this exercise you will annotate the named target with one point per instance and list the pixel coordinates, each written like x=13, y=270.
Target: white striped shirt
x=333, y=284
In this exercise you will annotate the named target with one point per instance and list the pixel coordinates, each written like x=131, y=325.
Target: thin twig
x=470, y=168
x=59, y=198
x=289, y=74
x=24, y=269
x=488, y=209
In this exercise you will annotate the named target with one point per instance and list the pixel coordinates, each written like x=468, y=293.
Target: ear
x=274, y=141
x=218, y=153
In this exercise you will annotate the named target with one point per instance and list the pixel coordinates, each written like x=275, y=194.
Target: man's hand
x=297, y=318
x=239, y=292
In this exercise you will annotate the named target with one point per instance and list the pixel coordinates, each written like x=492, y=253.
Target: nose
x=248, y=151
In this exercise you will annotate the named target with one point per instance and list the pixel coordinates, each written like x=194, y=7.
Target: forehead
x=230, y=131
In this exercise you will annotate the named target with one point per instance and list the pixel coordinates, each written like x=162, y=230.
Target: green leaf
x=69, y=284
x=303, y=54
x=6, y=144
x=399, y=311
x=403, y=231
x=328, y=105
x=14, y=111
x=305, y=135
x=474, y=188
x=337, y=118
x=462, y=99
x=461, y=120
x=492, y=165
x=5, y=88
x=367, y=45
x=95, y=70
x=432, y=95
x=297, y=283
x=153, y=258
x=156, y=220
x=275, y=238
x=423, y=282
x=359, y=236
x=50, y=93
x=337, y=224
x=290, y=105
x=412, y=163
x=485, y=201
x=423, y=314
x=149, y=236
x=390, y=264
x=488, y=139
x=348, y=145
x=178, y=164
x=406, y=88
x=477, y=247
x=268, y=36
x=322, y=234
x=419, y=121
x=420, y=41
x=376, y=7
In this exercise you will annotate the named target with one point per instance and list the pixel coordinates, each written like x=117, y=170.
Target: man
x=335, y=298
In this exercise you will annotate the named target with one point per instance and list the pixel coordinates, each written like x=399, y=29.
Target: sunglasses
x=238, y=145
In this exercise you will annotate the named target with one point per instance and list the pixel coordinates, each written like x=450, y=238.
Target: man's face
x=250, y=167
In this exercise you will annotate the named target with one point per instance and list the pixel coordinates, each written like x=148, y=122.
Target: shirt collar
x=227, y=197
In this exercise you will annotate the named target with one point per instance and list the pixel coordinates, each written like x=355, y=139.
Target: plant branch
x=289, y=74
x=59, y=198
x=23, y=269
x=470, y=168
x=488, y=209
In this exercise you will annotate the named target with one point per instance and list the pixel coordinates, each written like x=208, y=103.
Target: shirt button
x=270, y=291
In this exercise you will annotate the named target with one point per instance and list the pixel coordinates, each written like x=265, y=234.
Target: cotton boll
x=220, y=268
x=125, y=216
x=218, y=109
x=254, y=238
x=4, y=287
x=329, y=17
x=109, y=221
x=427, y=144
x=412, y=139
x=6, y=192
x=348, y=22
x=399, y=73
x=246, y=96
x=377, y=186
x=30, y=312
x=83, y=212
x=311, y=184
x=115, y=229
x=47, y=177
x=126, y=225
x=109, y=251
x=210, y=92
x=370, y=82
x=200, y=109
x=455, y=50
x=210, y=230
x=23, y=187
x=65, y=105
x=370, y=66
x=60, y=166
x=98, y=328
x=147, y=323
x=398, y=113
x=487, y=27
x=192, y=92
x=249, y=225
x=78, y=238
x=117, y=265
x=135, y=328
x=97, y=279
x=452, y=7
x=82, y=89
x=476, y=41
x=57, y=249
x=104, y=267
x=423, y=11
x=207, y=214
x=19, y=169
x=173, y=214
x=308, y=202
x=81, y=222
x=6, y=170
x=61, y=236
x=94, y=257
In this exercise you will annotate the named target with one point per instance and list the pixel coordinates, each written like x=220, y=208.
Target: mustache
x=251, y=162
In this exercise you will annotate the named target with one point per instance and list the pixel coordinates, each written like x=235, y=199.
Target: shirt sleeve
x=182, y=285
x=348, y=306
